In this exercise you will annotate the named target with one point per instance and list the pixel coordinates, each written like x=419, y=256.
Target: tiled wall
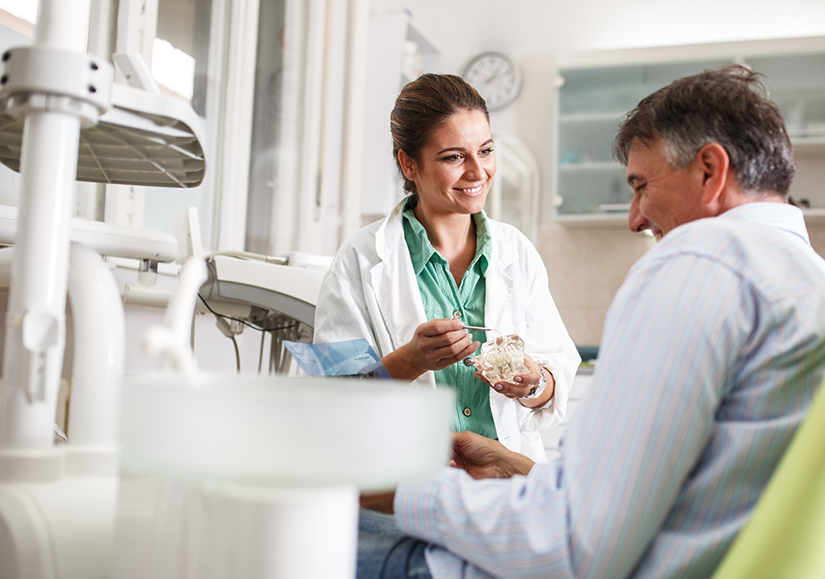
x=587, y=266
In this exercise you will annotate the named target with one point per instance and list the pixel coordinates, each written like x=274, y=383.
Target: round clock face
x=495, y=76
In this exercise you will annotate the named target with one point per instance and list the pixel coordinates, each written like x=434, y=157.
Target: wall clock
x=495, y=76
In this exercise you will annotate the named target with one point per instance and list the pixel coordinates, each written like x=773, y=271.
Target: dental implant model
x=500, y=359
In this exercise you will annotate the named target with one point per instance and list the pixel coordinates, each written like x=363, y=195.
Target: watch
x=495, y=76
x=536, y=390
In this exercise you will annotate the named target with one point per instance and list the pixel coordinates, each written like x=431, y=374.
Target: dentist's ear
x=713, y=163
x=407, y=165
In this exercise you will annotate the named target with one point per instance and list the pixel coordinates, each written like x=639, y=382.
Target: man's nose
x=635, y=220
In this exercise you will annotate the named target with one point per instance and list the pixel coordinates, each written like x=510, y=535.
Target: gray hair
x=730, y=107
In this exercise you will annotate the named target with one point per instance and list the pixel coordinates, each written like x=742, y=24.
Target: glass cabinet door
x=591, y=104
x=796, y=82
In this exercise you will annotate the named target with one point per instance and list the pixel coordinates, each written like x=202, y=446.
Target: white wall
x=587, y=266
x=534, y=31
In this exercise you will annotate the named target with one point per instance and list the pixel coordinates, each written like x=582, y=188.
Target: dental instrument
x=481, y=329
x=457, y=316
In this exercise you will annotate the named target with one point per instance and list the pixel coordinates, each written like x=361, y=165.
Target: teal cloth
x=442, y=299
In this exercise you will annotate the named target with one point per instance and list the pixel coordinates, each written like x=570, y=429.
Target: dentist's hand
x=434, y=346
x=523, y=383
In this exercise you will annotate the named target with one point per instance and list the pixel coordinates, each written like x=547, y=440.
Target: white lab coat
x=371, y=291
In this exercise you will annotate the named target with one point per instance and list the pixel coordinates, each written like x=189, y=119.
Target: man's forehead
x=639, y=144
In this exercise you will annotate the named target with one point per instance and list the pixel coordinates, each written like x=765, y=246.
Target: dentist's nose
x=475, y=169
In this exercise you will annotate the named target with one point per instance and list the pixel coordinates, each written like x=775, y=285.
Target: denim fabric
x=376, y=523
x=384, y=552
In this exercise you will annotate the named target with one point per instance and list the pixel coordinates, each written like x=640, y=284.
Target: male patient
x=712, y=351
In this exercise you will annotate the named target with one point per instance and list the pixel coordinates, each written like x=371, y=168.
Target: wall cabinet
x=597, y=89
x=399, y=51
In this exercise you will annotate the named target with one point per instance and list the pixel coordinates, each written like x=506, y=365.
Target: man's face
x=663, y=198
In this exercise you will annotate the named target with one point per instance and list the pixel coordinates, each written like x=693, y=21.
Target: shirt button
x=457, y=314
x=467, y=412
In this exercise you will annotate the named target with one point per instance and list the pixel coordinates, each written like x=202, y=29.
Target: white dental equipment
x=278, y=299
x=257, y=478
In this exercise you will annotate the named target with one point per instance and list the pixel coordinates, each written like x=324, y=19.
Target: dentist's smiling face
x=456, y=166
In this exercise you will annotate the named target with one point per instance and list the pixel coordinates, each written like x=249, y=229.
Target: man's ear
x=407, y=165
x=713, y=162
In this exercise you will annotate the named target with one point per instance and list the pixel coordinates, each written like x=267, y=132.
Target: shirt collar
x=421, y=250
x=782, y=216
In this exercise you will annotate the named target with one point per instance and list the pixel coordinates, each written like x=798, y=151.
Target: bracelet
x=536, y=390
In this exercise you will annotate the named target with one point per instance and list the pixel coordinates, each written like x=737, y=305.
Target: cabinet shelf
x=609, y=117
x=816, y=215
x=809, y=147
x=591, y=166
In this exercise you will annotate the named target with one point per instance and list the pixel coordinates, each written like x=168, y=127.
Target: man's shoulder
x=759, y=252
x=718, y=237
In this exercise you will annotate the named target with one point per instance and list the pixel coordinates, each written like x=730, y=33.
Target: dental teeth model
x=500, y=359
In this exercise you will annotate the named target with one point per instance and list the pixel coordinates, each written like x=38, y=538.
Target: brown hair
x=730, y=107
x=422, y=106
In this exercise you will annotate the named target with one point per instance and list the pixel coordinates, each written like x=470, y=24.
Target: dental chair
x=785, y=538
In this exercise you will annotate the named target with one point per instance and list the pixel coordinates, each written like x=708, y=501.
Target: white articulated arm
x=99, y=330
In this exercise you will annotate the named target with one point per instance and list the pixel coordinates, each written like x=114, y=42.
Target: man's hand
x=381, y=502
x=483, y=457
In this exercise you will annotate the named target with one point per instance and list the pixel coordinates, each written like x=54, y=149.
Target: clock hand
x=493, y=75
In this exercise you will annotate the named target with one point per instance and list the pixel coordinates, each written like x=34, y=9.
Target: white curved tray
x=280, y=431
x=143, y=139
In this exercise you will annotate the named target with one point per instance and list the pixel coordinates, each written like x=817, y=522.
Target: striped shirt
x=712, y=351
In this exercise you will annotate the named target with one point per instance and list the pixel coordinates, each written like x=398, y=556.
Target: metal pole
x=35, y=323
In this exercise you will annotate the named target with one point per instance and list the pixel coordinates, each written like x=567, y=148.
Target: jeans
x=384, y=552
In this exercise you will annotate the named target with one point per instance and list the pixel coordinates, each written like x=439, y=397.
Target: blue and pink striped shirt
x=712, y=351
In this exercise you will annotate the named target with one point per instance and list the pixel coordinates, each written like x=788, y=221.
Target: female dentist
x=410, y=282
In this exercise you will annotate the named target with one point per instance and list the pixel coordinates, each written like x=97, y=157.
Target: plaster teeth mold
x=501, y=359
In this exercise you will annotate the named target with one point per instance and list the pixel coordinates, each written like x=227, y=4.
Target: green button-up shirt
x=442, y=299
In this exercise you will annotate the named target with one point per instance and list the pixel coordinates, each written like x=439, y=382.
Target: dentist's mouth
x=471, y=191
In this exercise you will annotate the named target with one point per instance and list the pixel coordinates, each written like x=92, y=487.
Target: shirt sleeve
x=670, y=343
